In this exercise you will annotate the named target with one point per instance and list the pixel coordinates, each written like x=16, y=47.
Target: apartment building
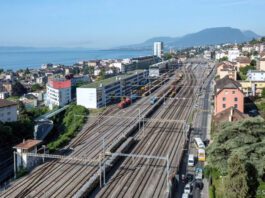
x=58, y=92
x=98, y=94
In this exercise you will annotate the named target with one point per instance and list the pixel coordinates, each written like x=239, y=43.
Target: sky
x=111, y=23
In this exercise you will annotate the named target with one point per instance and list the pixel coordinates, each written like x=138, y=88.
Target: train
x=127, y=101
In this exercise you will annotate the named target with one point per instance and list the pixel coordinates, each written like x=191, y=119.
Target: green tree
x=36, y=87
x=252, y=179
x=85, y=70
x=1, y=71
x=253, y=63
x=168, y=56
x=236, y=184
x=223, y=59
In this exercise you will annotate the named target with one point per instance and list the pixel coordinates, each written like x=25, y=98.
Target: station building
x=101, y=93
x=157, y=69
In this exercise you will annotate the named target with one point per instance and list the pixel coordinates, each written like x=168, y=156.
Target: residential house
x=29, y=100
x=8, y=111
x=252, y=88
x=228, y=94
x=233, y=54
x=262, y=62
x=256, y=75
x=226, y=68
x=242, y=61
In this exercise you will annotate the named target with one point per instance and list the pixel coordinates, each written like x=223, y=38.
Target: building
x=8, y=111
x=29, y=100
x=229, y=115
x=4, y=95
x=145, y=61
x=58, y=92
x=262, y=64
x=228, y=94
x=41, y=80
x=22, y=159
x=220, y=54
x=233, y=54
x=158, y=49
x=247, y=48
x=207, y=55
x=226, y=68
x=242, y=61
x=252, y=88
x=157, y=69
x=99, y=94
x=47, y=66
x=255, y=75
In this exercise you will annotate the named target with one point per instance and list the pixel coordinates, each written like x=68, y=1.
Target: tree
x=236, y=184
x=85, y=70
x=168, y=56
x=252, y=179
x=1, y=71
x=225, y=58
x=18, y=89
x=36, y=87
x=253, y=63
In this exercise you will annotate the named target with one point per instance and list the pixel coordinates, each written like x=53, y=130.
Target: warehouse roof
x=111, y=80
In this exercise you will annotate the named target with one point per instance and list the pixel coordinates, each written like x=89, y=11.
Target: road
x=200, y=127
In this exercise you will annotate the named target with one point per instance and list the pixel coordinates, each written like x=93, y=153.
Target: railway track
x=147, y=178
x=62, y=178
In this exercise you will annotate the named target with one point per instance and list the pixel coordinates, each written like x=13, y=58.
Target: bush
x=212, y=191
x=70, y=126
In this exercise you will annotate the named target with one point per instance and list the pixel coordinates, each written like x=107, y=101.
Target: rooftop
x=231, y=114
x=108, y=81
x=226, y=83
x=6, y=103
x=28, y=144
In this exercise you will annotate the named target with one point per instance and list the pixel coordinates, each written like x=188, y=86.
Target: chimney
x=231, y=115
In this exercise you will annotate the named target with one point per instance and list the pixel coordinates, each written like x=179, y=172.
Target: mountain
x=208, y=36
x=250, y=34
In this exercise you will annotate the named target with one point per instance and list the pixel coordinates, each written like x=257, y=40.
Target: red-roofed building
x=58, y=92
x=22, y=159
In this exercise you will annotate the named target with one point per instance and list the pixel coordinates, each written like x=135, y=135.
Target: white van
x=191, y=160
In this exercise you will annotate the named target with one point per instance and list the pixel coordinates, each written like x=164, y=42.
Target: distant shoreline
x=33, y=58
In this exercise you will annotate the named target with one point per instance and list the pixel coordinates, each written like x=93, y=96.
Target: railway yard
x=130, y=152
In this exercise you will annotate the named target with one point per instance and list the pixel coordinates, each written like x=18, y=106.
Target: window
x=224, y=98
x=235, y=106
x=233, y=92
x=235, y=99
x=224, y=106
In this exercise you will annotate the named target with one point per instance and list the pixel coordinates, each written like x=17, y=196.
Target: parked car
x=191, y=160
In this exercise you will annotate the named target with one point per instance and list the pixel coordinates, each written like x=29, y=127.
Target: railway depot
x=156, y=130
